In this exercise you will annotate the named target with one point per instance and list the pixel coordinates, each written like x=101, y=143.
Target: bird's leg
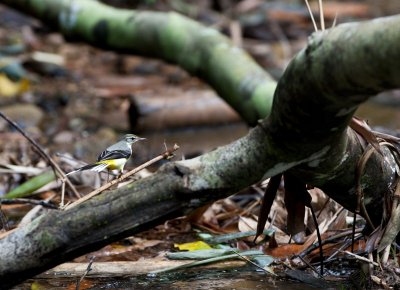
x=119, y=174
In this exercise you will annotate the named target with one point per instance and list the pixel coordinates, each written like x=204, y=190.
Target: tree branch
x=201, y=51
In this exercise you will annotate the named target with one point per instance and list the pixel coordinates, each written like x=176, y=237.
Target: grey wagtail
x=114, y=157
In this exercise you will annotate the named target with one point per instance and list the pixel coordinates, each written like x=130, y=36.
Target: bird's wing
x=94, y=167
x=115, y=154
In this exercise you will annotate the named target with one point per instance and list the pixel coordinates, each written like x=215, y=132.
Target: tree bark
x=306, y=132
x=319, y=93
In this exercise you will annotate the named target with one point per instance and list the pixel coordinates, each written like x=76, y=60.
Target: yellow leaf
x=37, y=286
x=9, y=88
x=193, y=246
x=24, y=85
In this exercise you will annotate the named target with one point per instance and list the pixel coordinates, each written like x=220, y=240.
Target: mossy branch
x=201, y=51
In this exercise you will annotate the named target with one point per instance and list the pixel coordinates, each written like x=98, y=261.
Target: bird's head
x=131, y=138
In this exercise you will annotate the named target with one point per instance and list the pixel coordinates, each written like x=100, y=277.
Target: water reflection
x=241, y=279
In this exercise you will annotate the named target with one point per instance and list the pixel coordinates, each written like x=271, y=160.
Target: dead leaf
x=193, y=246
x=268, y=199
x=8, y=88
x=296, y=199
x=362, y=128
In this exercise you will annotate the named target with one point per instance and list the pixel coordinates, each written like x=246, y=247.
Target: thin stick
x=312, y=16
x=321, y=251
x=88, y=269
x=309, y=265
x=251, y=262
x=321, y=15
x=334, y=20
x=361, y=258
x=41, y=152
x=3, y=219
x=28, y=201
x=343, y=246
x=329, y=240
x=62, y=194
x=166, y=155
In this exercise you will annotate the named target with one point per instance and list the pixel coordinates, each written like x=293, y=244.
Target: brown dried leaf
x=296, y=198
x=268, y=199
x=362, y=128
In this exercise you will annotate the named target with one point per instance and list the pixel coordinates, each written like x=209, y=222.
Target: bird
x=114, y=157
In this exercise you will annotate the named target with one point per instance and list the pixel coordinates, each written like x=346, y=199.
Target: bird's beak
x=140, y=139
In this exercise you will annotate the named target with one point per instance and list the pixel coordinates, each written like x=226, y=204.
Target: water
x=381, y=114
x=241, y=279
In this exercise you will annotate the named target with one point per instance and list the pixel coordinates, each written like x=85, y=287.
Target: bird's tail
x=93, y=167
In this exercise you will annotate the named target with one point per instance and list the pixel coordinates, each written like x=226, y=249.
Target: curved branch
x=316, y=98
x=339, y=69
x=201, y=51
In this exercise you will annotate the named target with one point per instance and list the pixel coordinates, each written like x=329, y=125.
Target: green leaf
x=263, y=260
x=199, y=254
x=31, y=185
x=235, y=236
x=208, y=261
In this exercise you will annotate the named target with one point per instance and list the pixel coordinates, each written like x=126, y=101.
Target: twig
x=165, y=145
x=3, y=219
x=361, y=258
x=345, y=245
x=88, y=269
x=321, y=252
x=28, y=201
x=309, y=265
x=321, y=15
x=166, y=155
x=41, y=152
x=334, y=20
x=329, y=240
x=312, y=16
x=62, y=194
x=251, y=262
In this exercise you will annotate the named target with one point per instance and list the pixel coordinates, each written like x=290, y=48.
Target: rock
x=64, y=137
x=25, y=115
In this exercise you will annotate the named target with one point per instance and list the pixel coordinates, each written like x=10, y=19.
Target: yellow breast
x=114, y=164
